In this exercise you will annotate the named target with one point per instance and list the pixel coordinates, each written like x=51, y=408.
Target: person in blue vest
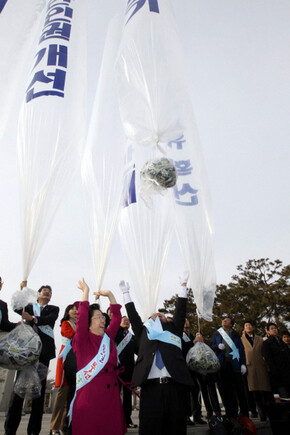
x=41, y=316
x=160, y=368
x=229, y=349
x=5, y=324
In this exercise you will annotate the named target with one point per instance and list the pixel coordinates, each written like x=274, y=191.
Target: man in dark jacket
x=277, y=355
x=229, y=349
x=160, y=368
x=5, y=324
x=41, y=316
x=126, y=348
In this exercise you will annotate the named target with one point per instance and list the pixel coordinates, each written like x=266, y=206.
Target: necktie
x=159, y=360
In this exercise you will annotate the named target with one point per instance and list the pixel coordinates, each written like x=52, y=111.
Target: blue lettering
x=186, y=188
x=2, y=4
x=177, y=142
x=57, y=29
x=183, y=167
x=138, y=4
x=57, y=82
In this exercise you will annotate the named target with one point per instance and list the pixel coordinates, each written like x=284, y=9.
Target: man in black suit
x=126, y=348
x=160, y=368
x=41, y=316
x=5, y=324
x=277, y=356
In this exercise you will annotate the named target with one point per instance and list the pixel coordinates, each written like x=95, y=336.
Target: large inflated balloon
x=157, y=119
x=52, y=120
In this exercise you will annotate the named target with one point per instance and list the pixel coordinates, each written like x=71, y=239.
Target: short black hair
x=270, y=324
x=249, y=321
x=231, y=319
x=93, y=307
x=285, y=332
x=45, y=286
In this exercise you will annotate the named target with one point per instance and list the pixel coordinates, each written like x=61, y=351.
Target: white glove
x=243, y=369
x=184, y=277
x=221, y=346
x=124, y=286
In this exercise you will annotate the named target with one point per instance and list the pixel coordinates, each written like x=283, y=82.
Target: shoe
x=189, y=422
x=199, y=421
x=132, y=426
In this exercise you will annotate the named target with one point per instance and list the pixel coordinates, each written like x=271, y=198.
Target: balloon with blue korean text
x=158, y=121
x=52, y=120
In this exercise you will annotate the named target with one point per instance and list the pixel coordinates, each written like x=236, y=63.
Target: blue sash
x=46, y=329
x=121, y=346
x=185, y=337
x=86, y=374
x=0, y=317
x=235, y=351
x=155, y=332
x=67, y=347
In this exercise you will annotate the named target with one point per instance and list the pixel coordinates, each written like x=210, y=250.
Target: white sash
x=155, y=332
x=87, y=374
x=235, y=351
x=121, y=346
x=46, y=329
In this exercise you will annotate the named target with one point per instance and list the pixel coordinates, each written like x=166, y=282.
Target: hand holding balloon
x=106, y=293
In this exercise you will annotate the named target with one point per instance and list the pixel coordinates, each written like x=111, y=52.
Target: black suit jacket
x=48, y=316
x=171, y=354
x=5, y=325
x=126, y=357
x=277, y=356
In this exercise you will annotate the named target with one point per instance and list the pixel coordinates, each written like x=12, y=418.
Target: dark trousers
x=162, y=409
x=209, y=393
x=15, y=410
x=193, y=401
x=232, y=391
x=127, y=401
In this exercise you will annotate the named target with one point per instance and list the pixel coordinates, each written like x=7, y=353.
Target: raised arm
x=134, y=317
x=180, y=310
x=82, y=329
x=115, y=310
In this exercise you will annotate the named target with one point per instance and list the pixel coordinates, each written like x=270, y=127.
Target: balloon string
x=198, y=323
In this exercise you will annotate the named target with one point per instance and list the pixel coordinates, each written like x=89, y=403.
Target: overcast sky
x=238, y=65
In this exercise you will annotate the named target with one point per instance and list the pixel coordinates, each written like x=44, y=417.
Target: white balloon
x=52, y=121
x=157, y=118
x=19, y=26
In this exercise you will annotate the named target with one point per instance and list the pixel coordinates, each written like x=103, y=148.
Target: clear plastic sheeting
x=146, y=234
x=21, y=298
x=193, y=215
x=201, y=359
x=28, y=383
x=19, y=24
x=157, y=118
x=20, y=348
x=103, y=162
x=51, y=122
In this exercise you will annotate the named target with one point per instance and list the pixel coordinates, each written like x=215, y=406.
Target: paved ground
x=262, y=428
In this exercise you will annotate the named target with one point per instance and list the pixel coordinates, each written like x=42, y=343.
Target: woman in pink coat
x=97, y=409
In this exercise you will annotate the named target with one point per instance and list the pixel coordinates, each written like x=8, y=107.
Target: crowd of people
x=100, y=356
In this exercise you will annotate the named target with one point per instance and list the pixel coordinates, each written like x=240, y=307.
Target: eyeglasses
x=99, y=317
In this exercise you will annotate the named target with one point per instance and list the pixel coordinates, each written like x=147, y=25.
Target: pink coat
x=97, y=408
